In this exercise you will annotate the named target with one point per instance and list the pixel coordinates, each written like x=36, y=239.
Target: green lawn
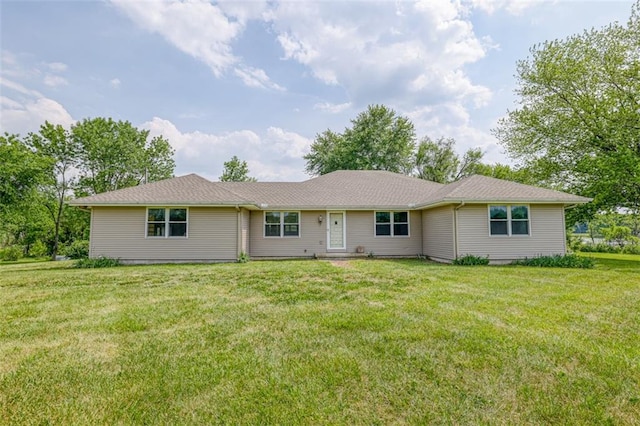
x=313, y=342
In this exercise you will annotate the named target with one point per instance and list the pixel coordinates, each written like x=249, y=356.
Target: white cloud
x=403, y=52
x=115, y=83
x=54, y=80
x=253, y=77
x=198, y=28
x=204, y=31
x=288, y=144
x=332, y=108
x=514, y=7
x=277, y=155
x=12, y=85
x=57, y=66
x=9, y=103
x=27, y=117
x=22, y=109
x=453, y=120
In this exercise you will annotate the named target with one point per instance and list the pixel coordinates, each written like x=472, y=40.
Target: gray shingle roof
x=184, y=190
x=478, y=188
x=347, y=189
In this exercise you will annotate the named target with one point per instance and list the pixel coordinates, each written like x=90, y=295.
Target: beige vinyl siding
x=361, y=232
x=438, y=233
x=312, y=237
x=547, y=234
x=245, y=216
x=120, y=232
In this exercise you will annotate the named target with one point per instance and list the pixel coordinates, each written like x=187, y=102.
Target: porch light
x=320, y=218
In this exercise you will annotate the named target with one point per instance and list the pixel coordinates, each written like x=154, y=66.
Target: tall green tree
x=378, y=139
x=115, y=154
x=438, y=161
x=22, y=171
x=578, y=120
x=55, y=143
x=506, y=172
x=236, y=170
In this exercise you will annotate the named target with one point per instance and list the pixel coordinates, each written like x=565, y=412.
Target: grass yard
x=316, y=342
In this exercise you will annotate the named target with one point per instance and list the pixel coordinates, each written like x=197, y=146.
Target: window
x=166, y=222
x=509, y=220
x=281, y=224
x=392, y=224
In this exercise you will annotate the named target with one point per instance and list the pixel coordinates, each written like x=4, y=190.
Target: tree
x=578, y=121
x=56, y=143
x=236, y=171
x=620, y=235
x=377, y=140
x=438, y=161
x=21, y=174
x=114, y=155
x=506, y=172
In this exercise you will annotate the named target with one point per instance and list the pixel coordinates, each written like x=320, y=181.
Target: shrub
x=243, y=257
x=600, y=248
x=619, y=235
x=574, y=242
x=98, y=262
x=78, y=249
x=38, y=249
x=471, y=260
x=11, y=253
x=631, y=249
x=557, y=261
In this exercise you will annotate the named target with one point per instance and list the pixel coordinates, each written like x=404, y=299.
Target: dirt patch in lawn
x=341, y=263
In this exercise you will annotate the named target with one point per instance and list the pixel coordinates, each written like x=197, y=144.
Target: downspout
x=455, y=229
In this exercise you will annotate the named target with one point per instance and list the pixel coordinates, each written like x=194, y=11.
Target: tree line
x=42, y=170
x=380, y=139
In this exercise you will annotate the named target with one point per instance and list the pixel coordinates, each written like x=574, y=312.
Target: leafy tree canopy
x=438, y=161
x=236, y=170
x=114, y=155
x=21, y=172
x=578, y=122
x=40, y=172
x=55, y=143
x=378, y=139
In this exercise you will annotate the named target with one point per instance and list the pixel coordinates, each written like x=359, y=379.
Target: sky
x=260, y=80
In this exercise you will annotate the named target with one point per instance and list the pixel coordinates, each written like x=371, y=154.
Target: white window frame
x=509, y=220
x=282, y=224
x=167, y=222
x=392, y=223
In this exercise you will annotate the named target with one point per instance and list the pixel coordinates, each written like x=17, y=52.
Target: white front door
x=336, y=231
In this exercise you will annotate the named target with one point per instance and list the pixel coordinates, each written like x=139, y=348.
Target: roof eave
x=160, y=204
x=446, y=201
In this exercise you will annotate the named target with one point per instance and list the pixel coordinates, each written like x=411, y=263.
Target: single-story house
x=344, y=213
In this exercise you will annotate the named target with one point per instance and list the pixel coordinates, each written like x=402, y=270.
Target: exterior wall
x=438, y=233
x=120, y=232
x=313, y=236
x=245, y=216
x=547, y=234
x=361, y=232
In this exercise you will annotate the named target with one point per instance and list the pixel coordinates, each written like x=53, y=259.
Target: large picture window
x=392, y=224
x=166, y=222
x=509, y=220
x=281, y=224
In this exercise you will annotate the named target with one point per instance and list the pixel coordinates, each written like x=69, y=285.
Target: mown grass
x=315, y=342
